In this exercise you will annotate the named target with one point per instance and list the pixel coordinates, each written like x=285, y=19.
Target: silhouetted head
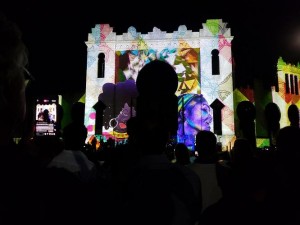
x=206, y=142
x=287, y=142
x=242, y=151
x=182, y=154
x=157, y=78
x=77, y=112
x=272, y=115
x=131, y=125
x=293, y=114
x=46, y=115
x=246, y=111
x=132, y=128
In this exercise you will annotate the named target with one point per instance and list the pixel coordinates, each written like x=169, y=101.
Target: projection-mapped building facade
x=202, y=61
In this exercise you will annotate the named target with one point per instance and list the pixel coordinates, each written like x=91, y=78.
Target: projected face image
x=200, y=116
x=119, y=100
x=119, y=123
x=194, y=115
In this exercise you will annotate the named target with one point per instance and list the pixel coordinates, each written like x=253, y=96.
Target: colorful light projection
x=190, y=53
x=288, y=89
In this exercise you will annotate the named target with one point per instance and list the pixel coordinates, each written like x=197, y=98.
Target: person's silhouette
x=293, y=115
x=46, y=116
x=19, y=183
x=163, y=192
x=75, y=133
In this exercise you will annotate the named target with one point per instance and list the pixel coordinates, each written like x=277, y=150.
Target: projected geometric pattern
x=185, y=62
x=190, y=53
x=218, y=86
x=284, y=98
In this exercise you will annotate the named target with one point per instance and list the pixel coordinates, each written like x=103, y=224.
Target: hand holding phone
x=46, y=116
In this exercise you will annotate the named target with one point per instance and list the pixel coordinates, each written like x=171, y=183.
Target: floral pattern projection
x=124, y=59
x=283, y=98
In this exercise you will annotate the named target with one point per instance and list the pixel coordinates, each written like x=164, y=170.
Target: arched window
x=215, y=63
x=296, y=85
x=292, y=83
x=287, y=84
x=101, y=65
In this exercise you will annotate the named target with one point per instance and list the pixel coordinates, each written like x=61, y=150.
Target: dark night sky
x=55, y=32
